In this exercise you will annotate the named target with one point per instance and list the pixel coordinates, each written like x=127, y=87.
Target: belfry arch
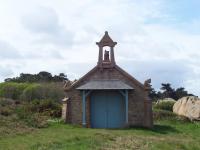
x=106, y=57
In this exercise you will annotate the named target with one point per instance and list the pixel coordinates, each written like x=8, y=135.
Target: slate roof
x=104, y=85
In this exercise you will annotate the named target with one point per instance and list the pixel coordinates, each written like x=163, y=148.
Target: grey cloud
x=160, y=71
x=77, y=70
x=56, y=55
x=60, y=39
x=45, y=22
x=5, y=72
x=43, y=54
x=42, y=20
x=7, y=51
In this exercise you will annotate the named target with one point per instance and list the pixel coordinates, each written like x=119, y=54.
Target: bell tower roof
x=106, y=58
x=106, y=41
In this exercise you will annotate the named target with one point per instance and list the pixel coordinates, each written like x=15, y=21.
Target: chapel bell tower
x=106, y=57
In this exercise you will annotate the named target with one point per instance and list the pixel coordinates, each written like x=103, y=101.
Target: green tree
x=168, y=91
x=44, y=76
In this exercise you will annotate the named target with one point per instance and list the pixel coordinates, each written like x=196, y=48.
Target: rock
x=189, y=107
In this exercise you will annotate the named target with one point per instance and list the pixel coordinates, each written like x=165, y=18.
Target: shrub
x=33, y=91
x=37, y=120
x=6, y=106
x=45, y=107
x=22, y=112
x=6, y=102
x=164, y=105
x=159, y=114
x=53, y=91
x=12, y=90
x=32, y=119
x=48, y=106
x=43, y=91
x=5, y=111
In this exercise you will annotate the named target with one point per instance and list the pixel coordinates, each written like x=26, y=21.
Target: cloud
x=44, y=22
x=160, y=71
x=5, y=72
x=157, y=39
x=193, y=85
x=7, y=51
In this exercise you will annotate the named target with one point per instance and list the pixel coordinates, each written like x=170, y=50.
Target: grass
x=166, y=135
x=23, y=126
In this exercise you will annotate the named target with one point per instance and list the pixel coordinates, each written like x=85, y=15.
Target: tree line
x=166, y=91
x=42, y=76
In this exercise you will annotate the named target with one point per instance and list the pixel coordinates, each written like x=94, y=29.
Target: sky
x=157, y=39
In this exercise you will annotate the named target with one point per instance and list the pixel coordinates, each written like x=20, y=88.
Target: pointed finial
x=106, y=41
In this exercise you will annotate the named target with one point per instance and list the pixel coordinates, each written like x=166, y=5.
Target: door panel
x=98, y=110
x=107, y=109
x=116, y=110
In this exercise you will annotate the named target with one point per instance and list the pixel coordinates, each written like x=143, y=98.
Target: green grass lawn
x=166, y=135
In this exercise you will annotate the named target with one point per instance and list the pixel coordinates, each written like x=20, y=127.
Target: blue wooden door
x=107, y=109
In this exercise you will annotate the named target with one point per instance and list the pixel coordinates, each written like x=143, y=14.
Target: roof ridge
x=104, y=80
x=83, y=77
x=129, y=76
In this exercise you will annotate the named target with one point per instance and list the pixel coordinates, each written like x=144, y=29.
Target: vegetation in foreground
x=166, y=135
x=33, y=125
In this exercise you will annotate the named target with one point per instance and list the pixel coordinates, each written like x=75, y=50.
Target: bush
x=6, y=106
x=33, y=91
x=12, y=90
x=31, y=119
x=5, y=111
x=43, y=91
x=159, y=114
x=53, y=91
x=164, y=105
x=37, y=120
x=45, y=107
x=48, y=107
x=6, y=102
